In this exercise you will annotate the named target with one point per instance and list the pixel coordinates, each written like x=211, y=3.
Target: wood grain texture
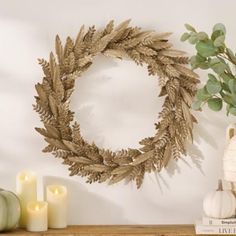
x=117, y=230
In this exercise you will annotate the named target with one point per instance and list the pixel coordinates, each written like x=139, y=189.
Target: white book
x=200, y=228
x=213, y=221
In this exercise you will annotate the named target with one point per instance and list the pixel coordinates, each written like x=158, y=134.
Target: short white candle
x=26, y=189
x=57, y=206
x=37, y=216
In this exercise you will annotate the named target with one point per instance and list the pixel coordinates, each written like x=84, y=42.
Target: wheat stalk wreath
x=175, y=123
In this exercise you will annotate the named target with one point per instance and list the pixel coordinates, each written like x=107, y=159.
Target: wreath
x=175, y=122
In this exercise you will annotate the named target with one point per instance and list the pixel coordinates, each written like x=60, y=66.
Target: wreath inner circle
x=172, y=129
x=111, y=97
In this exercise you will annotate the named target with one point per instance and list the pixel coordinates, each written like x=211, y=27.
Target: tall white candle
x=26, y=189
x=37, y=216
x=57, y=206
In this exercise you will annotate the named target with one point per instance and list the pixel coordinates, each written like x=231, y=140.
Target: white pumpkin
x=9, y=210
x=229, y=159
x=219, y=203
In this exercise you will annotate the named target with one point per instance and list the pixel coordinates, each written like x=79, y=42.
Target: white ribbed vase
x=229, y=158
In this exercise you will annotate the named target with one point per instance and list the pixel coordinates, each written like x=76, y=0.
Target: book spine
x=221, y=222
x=215, y=230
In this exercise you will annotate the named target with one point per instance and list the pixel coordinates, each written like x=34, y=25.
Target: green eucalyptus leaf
x=193, y=39
x=214, y=61
x=232, y=111
x=196, y=105
x=184, y=37
x=195, y=61
x=204, y=65
x=212, y=77
x=200, y=58
x=216, y=34
x=232, y=85
x=220, y=60
x=215, y=104
x=225, y=87
x=202, y=94
x=218, y=66
x=220, y=27
x=228, y=98
x=226, y=77
x=189, y=27
x=220, y=41
x=213, y=85
x=206, y=48
x=202, y=35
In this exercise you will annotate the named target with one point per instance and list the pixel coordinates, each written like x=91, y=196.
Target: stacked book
x=216, y=226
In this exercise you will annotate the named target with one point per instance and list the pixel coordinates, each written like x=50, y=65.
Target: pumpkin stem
x=220, y=185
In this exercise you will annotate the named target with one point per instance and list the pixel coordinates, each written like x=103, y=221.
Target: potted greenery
x=212, y=53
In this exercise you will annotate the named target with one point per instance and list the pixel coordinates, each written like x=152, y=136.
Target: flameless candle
x=26, y=189
x=37, y=216
x=57, y=206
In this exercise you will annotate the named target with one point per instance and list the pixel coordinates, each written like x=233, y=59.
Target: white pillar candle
x=37, y=216
x=26, y=189
x=57, y=206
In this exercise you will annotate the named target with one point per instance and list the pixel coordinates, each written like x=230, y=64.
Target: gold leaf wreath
x=175, y=123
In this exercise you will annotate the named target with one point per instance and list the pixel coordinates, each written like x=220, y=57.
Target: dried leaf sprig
x=62, y=133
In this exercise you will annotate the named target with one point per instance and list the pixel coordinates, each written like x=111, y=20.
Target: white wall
x=115, y=102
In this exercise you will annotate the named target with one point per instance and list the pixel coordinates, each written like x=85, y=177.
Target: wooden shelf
x=113, y=230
